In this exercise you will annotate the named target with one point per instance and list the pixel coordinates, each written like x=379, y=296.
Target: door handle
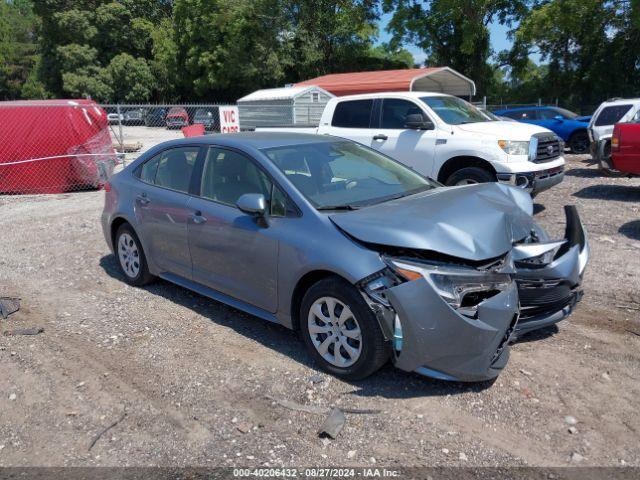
x=142, y=199
x=380, y=136
x=198, y=218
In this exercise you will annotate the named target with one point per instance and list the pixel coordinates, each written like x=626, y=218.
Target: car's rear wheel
x=340, y=330
x=470, y=176
x=131, y=258
x=579, y=143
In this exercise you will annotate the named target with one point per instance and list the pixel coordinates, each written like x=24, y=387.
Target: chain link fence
x=54, y=147
x=57, y=146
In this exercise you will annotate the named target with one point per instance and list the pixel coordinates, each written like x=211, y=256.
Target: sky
x=499, y=40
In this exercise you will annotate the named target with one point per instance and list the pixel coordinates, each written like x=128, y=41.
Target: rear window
x=611, y=115
x=353, y=114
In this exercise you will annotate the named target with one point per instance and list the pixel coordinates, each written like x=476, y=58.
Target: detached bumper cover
x=550, y=293
x=440, y=343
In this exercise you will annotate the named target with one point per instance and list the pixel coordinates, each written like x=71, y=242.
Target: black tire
x=471, y=175
x=375, y=350
x=143, y=276
x=579, y=143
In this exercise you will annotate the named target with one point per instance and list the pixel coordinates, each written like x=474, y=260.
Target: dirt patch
x=189, y=371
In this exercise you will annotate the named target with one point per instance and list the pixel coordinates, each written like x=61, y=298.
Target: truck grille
x=548, y=148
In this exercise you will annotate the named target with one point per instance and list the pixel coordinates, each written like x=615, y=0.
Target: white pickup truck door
x=414, y=148
x=351, y=119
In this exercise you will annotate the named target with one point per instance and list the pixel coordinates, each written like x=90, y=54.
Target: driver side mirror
x=253, y=204
x=558, y=118
x=417, y=122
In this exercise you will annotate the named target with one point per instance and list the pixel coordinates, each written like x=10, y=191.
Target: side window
x=149, y=169
x=395, y=111
x=279, y=203
x=175, y=168
x=353, y=114
x=171, y=169
x=548, y=114
x=227, y=175
x=611, y=115
x=527, y=115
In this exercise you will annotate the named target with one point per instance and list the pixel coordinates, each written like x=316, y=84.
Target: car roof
x=256, y=140
x=620, y=101
x=405, y=94
x=533, y=107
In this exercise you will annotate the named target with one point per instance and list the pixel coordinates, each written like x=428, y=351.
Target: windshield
x=336, y=175
x=567, y=113
x=454, y=110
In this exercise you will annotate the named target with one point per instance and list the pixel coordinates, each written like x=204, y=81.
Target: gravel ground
x=192, y=382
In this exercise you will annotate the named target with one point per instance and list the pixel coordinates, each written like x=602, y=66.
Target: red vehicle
x=54, y=146
x=625, y=147
x=177, y=117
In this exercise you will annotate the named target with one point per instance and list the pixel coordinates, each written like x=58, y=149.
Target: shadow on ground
x=631, y=229
x=620, y=193
x=583, y=173
x=388, y=382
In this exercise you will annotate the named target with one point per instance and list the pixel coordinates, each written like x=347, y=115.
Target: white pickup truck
x=445, y=138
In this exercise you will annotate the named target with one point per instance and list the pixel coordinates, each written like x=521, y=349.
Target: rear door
x=161, y=207
x=352, y=120
x=232, y=252
x=414, y=148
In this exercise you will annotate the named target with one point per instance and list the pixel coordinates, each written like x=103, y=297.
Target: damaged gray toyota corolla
x=367, y=259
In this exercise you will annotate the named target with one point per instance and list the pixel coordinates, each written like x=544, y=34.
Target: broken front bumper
x=549, y=293
x=440, y=343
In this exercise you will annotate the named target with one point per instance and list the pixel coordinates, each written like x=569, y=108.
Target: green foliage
x=18, y=48
x=163, y=50
x=130, y=79
x=453, y=32
x=591, y=47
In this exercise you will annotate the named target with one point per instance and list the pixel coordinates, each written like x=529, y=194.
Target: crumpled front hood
x=584, y=118
x=474, y=222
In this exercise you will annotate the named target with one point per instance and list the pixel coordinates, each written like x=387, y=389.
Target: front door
x=161, y=206
x=231, y=251
x=414, y=148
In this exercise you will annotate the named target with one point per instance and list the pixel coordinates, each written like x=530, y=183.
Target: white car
x=600, y=129
x=446, y=138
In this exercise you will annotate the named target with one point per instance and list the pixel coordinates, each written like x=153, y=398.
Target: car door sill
x=219, y=297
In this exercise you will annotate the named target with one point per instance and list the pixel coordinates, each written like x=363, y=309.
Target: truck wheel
x=579, y=143
x=469, y=176
x=340, y=331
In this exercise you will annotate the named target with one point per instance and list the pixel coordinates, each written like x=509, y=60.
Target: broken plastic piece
x=332, y=424
x=9, y=305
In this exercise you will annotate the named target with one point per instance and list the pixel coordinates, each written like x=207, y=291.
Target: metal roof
x=284, y=93
x=433, y=79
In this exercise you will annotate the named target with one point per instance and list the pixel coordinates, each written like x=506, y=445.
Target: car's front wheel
x=131, y=258
x=340, y=330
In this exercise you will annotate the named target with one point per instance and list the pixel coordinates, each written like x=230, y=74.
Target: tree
x=453, y=33
x=226, y=48
x=130, y=79
x=18, y=46
x=592, y=48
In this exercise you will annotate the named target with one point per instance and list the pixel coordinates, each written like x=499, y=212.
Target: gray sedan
x=368, y=260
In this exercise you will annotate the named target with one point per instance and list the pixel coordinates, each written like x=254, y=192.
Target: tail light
x=615, y=139
x=107, y=187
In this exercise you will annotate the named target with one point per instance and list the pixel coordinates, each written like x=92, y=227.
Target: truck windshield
x=344, y=175
x=454, y=110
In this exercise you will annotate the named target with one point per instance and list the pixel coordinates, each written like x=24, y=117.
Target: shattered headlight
x=462, y=288
x=511, y=147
